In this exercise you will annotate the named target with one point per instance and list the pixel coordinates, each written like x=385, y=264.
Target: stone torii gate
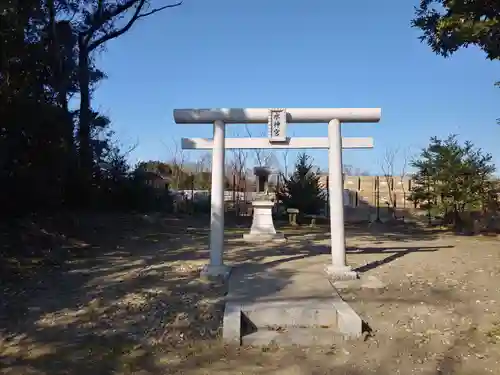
x=277, y=119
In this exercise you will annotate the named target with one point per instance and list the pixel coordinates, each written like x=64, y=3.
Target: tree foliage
x=449, y=25
x=302, y=189
x=52, y=155
x=452, y=178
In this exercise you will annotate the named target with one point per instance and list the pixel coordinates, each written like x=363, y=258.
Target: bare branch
x=403, y=173
x=108, y=16
x=285, y=162
x=131, y=149
x=176, y=160
x=238, y=166
x=100, y=17
x=387, y=164
x=257, y=151
x=285, y=154
x=142, y=15
x=388, y=170
x=203, y=163
x=263, y=157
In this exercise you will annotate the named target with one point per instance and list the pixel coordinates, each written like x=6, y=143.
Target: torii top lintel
x=261, y=115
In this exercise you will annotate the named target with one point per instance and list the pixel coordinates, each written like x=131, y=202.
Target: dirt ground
x=126, y=299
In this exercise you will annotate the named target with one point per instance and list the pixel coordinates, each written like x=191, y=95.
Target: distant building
x=157, y=180
x=363, y=190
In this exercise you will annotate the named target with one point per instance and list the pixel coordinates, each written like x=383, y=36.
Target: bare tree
x=203, y=163
x=285, y=154
x=392, y=177
x=350, y=170
x=403, y=175
x=263, y=157
x=238, y=165
x=347, y=170
x=202, y=171
x=176, y=159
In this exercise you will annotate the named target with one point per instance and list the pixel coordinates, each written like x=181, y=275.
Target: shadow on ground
x=126, y=296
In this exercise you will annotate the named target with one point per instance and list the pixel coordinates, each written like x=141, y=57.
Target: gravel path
x=439, y=310
x=137, y=306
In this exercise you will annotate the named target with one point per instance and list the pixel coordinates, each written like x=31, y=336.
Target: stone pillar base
x=262, y=229
x=336, y=273
x=210, y=272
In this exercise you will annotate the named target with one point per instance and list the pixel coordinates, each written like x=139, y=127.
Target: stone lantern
x=262, y=229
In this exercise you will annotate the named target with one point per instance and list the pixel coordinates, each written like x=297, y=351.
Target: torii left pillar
x=216, y=267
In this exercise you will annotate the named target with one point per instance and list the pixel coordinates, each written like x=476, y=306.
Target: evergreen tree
x=452, y=178
x=301, y=190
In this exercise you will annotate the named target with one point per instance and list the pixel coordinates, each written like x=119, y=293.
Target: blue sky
x=295, y=53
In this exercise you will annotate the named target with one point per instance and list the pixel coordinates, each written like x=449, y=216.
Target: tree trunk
x=457, y=221
x=60, y=79
x=85, y=148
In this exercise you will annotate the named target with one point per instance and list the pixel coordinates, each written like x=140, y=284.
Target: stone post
x=292, y=216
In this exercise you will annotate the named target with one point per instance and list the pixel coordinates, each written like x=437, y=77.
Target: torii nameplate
x=277, y=125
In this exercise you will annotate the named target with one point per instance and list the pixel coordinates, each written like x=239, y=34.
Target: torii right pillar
x=338, y=269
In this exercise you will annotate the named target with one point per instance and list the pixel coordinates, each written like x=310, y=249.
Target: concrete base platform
x=340, y=273
x=290, y=313
x=293, y=337
x=262, y=238
x=293, y=303
x=368, y=282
